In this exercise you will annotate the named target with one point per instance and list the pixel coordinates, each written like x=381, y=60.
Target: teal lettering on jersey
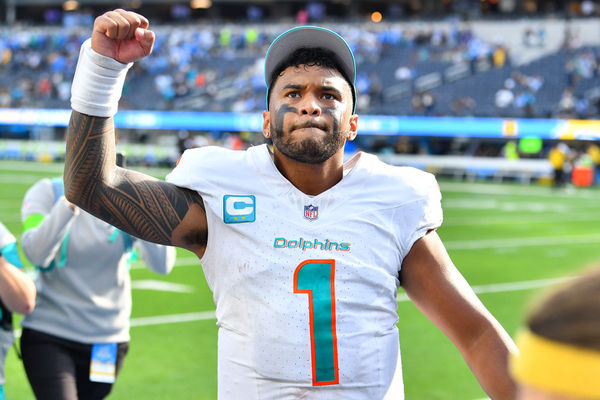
x=239, y=208
x=304, y=244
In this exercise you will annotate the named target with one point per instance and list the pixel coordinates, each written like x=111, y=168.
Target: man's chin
x=306, y=151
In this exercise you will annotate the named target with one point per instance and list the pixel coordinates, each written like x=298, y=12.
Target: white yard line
x=521, y=242
x=479, y=289
x=179, y=262
x=173, y=318
x=161, y=286
x=507, y=287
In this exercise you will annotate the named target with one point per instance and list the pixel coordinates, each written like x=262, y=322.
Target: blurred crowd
x=210, y=62
x=402, y=70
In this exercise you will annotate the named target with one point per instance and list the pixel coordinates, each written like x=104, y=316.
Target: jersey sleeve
x=180, y=174
x=193, y=162
x=201, y=168
x=420, y=214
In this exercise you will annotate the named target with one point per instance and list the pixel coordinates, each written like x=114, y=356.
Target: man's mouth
x=310, y=125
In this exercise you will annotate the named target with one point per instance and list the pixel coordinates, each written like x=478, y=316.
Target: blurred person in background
x=74, y=342
x=304, y=253
x=593, y=151
x=17, y=294
x=560, y=158
x=560, y=344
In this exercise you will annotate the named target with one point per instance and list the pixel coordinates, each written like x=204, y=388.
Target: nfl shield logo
x=311, y=212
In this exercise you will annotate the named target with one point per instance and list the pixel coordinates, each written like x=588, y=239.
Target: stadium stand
x=217, y=68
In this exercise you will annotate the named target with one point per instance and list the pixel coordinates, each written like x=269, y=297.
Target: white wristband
x=98, y=83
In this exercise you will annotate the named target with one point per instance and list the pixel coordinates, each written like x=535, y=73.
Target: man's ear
x=266, y=124
x=353, y=128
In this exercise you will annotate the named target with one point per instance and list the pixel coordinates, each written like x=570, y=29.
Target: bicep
x=440, y=291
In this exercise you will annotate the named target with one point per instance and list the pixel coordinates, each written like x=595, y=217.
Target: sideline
x=518, y=190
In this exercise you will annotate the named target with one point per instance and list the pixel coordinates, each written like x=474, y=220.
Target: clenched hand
x=122, y=35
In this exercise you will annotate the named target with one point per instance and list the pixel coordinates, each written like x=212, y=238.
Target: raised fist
x=122, y=35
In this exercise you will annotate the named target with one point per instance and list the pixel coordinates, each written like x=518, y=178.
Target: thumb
x=145, y=38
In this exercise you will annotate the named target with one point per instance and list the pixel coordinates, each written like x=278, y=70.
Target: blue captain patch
x=239, y=208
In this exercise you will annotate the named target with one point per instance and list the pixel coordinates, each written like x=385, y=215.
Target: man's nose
x=310, y=105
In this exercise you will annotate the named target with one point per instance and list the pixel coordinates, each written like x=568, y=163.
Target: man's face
x=311, y=110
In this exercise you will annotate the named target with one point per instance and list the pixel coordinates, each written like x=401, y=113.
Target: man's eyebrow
x=293, y=86
x=325, y=88
x=331, y=89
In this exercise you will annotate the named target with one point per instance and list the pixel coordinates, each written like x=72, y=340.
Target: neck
x=311, y=179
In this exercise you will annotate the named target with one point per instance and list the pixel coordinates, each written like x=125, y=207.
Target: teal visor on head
x=311, y=37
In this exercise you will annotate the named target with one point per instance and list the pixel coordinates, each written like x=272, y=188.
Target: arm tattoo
x=138, y=204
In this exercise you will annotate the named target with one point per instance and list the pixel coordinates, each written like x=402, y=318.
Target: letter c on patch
x=239, y=208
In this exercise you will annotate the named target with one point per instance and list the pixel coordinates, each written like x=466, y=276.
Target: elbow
x=28, y=306
x=71, y=193
x=27, y=302
x=29, y=295
x=29, y=299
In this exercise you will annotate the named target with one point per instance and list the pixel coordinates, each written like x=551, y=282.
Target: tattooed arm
x=138, y=204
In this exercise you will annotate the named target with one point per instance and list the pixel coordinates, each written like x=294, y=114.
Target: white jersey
x=305, y=286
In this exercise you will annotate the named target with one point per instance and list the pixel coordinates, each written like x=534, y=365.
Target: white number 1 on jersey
x=315, y=278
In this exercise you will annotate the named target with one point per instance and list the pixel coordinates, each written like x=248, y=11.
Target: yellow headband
x=556, y=367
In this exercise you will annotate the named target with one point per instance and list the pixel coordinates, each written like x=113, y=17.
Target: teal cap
x=311, y=37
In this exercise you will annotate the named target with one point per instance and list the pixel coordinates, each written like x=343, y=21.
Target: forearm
x=90, y=159
x=487, y=357
x=17, y=290
x=94, y=182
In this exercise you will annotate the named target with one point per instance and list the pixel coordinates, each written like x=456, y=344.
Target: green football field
x=509, y=240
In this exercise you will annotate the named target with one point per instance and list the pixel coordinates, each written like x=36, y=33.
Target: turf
x=495, y=233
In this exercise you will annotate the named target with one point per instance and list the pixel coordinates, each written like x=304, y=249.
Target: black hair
x=312, y=57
